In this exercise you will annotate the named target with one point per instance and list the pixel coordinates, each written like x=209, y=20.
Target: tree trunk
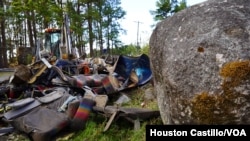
x=4, y=62
x=91, y=40
x=30, y=30
x=34, y=25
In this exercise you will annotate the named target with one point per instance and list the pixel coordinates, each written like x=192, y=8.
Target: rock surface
x=200, y=62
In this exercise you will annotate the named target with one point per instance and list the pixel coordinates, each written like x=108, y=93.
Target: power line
x=138, y=27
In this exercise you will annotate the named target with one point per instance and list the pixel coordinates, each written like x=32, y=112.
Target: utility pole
x=138, y=26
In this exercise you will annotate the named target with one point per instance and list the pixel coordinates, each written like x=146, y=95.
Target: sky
x=138, y=21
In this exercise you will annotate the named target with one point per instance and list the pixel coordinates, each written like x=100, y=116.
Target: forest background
x=94, y=24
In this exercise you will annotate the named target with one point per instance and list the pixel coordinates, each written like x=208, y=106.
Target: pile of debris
x=48, y=96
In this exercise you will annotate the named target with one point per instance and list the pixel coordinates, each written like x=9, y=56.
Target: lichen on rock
x=200, y=63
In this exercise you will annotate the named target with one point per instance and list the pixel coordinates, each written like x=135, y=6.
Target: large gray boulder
x=200, y=63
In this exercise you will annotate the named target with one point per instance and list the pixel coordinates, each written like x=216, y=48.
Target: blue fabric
x=140, y=65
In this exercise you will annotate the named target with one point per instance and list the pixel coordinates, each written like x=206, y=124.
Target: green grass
x=121, y=129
